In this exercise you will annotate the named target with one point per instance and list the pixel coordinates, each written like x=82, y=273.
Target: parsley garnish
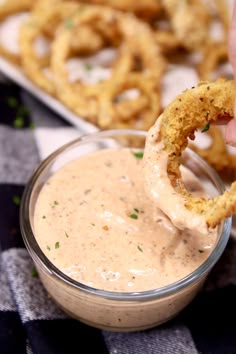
x=206, y=128
x=133, y=216
x=139, y=248
x=16, y=199
x=200, y=251
x=66, y=234
x=44, y=217
x=68, y=23
x=12, y=102
x=88, y=66
x=22, y=111
x=48, y=248
x=57, y=245
x=138, y=155
x=18, y=122
x=136, y=209
x=34, y=273
x=32, y=125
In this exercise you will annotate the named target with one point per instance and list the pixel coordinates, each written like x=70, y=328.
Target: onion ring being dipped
x=167, y=139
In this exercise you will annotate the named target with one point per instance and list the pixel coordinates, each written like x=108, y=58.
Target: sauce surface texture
x=95, y=222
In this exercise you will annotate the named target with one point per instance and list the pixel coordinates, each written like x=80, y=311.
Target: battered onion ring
x=43, y=20
x=190, y=21
x=213, y=54
x=168, y=138
x=7, y=9
x=167, y=41
x=147, y=9
x=10, y=7
x=138, y=56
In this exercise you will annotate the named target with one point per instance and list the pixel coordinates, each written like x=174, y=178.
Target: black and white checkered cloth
x=29, y=320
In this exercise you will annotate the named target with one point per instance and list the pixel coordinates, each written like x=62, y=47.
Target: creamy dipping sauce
x=95, y=222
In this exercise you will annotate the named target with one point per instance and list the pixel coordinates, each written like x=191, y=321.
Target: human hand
x=230, y=131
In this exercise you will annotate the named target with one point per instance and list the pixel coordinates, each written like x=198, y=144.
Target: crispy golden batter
x=191, y=110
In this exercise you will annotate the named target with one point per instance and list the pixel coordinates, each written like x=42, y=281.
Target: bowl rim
x=39, y=256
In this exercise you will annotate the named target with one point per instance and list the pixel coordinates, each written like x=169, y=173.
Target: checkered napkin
x=30, y=322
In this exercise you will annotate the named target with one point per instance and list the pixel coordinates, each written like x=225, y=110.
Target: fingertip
x=230, y=133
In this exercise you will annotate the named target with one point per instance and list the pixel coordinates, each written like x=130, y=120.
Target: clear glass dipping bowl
x=115, y=311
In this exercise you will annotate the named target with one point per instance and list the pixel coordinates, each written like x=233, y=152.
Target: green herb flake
x=138, y=154
x=22, y=111
x=56, y=202
x=12, y=102
x=57, y=245
x=34, y=273
x=32, y=125
x=92, y=224
x=200, y=251
x=18, y=122
x=88, y=66
x=16, y=199
x=68, y=23
x=133, y=216
x=206, y=128
x=139, y=248
x=66, y=234
x=44, y=217
x=136, y=209
x=48, y=248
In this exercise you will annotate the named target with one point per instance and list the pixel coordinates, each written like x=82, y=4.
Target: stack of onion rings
x=139, y=65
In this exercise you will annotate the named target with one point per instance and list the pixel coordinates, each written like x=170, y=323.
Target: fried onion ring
x=213, y=54
x=190, y=21
x=139, y=65
x=166, y=141
x=8, y=10
x=43, y=21
x=147, y=9
x=9, y=7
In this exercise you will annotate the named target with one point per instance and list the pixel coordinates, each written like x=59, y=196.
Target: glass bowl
x=110, y=310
